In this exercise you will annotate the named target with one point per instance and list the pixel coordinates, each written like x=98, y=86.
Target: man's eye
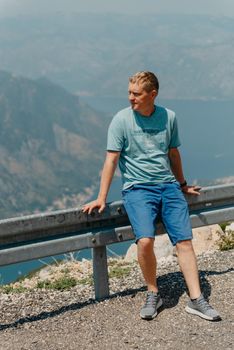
x=135, y=94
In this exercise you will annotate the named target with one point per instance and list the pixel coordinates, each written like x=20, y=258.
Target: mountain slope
x=51, y=145
x=93, y=54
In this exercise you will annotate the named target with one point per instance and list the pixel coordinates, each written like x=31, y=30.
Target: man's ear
x=154, y=93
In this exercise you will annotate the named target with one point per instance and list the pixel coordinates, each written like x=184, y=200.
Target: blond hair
x=148, y=79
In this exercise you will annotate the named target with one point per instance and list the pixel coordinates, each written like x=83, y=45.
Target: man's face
x=140, y=100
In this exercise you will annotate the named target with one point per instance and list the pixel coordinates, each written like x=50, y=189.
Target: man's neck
x=148, y=112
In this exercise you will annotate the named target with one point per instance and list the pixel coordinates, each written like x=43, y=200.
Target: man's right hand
x=98, y=203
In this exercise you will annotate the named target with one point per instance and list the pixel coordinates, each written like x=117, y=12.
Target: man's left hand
x=194, y=190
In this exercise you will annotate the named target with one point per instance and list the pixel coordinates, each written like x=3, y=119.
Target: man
x=143, y=139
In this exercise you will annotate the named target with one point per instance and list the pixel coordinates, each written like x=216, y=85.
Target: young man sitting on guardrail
x=144, y=140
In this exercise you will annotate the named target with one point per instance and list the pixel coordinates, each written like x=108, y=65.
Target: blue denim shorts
x=144, y=203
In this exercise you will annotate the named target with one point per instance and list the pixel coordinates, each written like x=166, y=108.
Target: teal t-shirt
x=144, y=143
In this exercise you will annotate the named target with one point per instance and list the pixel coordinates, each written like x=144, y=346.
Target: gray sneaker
x=202, y=308
x=151, y=306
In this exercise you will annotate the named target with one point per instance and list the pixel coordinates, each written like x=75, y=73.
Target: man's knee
x=145, y=245
x=184, y=246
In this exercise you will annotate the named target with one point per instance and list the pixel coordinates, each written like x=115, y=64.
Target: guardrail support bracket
x=100, y=272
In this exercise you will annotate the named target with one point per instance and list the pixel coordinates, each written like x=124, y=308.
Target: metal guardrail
x=42, y=235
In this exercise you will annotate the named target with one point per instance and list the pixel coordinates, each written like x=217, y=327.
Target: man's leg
x=188, y=265
x=176, y=219
x=142, y=203
x=147, y=262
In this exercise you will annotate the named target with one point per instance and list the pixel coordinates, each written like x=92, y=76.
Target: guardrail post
x=100, y=272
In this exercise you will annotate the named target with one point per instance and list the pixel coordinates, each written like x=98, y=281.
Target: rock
x=229, y=227
x=205, y=238
x=45, y=273
x=163, y=247
x=131, y=254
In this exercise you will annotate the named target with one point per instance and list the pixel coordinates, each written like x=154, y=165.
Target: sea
x=207, y=149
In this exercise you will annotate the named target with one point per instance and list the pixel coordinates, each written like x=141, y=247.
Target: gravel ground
x=43, y=319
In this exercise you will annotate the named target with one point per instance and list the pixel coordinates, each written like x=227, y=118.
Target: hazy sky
x=212, y=7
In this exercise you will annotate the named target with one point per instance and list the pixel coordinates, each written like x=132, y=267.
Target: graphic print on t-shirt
x=149, y=140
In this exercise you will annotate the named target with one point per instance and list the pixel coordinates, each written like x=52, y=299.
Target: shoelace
x=151, y=300
x=204, y=304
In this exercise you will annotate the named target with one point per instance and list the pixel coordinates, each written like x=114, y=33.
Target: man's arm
x=108, y=171
x=177, y=169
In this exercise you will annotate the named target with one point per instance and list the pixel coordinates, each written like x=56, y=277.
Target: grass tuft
x=62, y=283
x=119, y=271
x=226, y=241
x=8, y=289
x=86, y=280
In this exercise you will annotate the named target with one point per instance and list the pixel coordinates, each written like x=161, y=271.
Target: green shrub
x=10, y=289
x=87, y=280
x=62, y=283
x=224, y=224
x=119, y=271
x=226, y=240
x=44, y=284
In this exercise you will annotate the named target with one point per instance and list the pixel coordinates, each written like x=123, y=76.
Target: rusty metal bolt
x=120, y=236
x=119, y=210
